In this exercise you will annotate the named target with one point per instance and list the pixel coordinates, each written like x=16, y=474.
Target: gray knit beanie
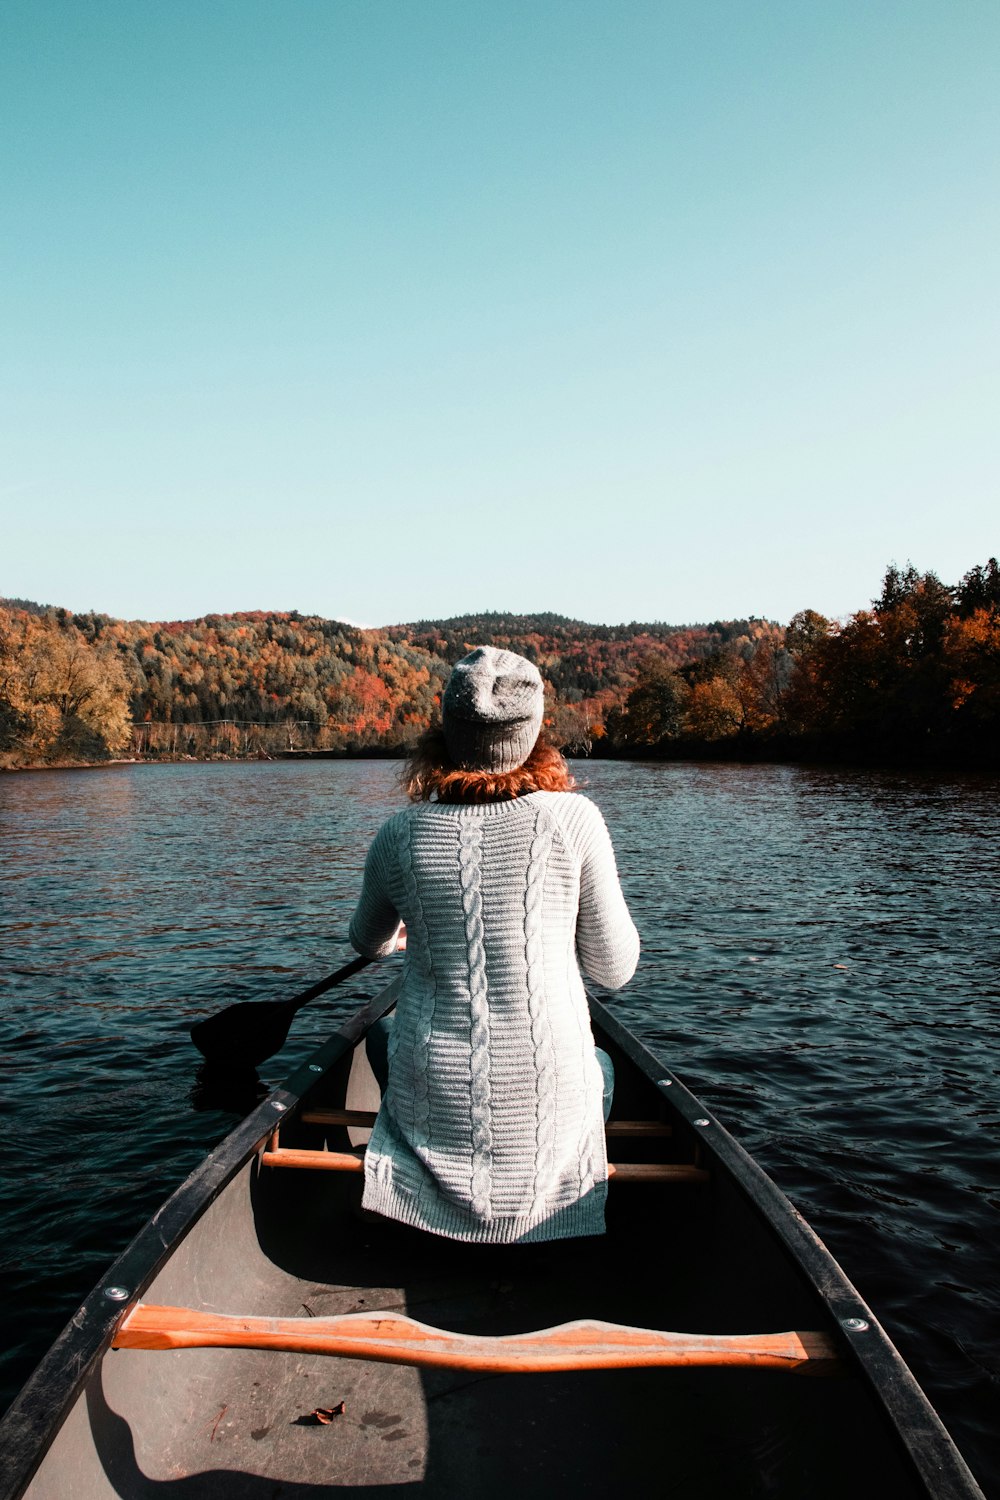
x=492, y=710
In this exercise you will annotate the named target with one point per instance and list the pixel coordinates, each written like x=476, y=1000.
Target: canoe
x=262, y=1338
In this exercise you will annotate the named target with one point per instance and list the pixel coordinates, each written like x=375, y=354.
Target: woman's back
x=492, y=1126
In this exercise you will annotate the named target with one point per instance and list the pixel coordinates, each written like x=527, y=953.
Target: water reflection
x=226, y=1090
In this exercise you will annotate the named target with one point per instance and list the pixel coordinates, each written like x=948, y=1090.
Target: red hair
x=430, y=772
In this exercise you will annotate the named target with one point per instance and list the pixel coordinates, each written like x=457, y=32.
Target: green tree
x=656, y=706
x=979, y=589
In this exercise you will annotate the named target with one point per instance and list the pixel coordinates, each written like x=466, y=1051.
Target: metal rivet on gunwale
x=701, y=1121
x=279, y=1106
x=116, y=1293
x=665, y=1083
x=315, y=1068
x=854, y=1325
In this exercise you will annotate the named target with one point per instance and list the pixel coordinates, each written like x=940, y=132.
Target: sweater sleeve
x=375, y=924
x=606, y=939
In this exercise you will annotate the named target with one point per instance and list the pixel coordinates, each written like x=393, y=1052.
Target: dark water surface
x=820, y=962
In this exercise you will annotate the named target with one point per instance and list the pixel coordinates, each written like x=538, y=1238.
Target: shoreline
x=692, y=754
x=75, y=765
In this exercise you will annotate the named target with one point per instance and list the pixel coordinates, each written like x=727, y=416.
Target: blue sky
x=398, y=309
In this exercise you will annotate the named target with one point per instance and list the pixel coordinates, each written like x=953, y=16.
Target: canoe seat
x=275, y=1155
x=395, y=1339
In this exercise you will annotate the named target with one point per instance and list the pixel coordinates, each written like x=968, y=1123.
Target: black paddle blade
x=242, y=1036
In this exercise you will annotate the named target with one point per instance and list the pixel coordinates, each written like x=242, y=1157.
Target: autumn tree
x=62, y=696
x=714, y=710
x=878, y=685
x=807, y=639
x=972, y=661
x=762, y=681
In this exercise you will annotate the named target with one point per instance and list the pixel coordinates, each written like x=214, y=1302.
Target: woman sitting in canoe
x=493, y=1093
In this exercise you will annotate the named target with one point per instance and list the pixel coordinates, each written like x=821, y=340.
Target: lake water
x=820, y=962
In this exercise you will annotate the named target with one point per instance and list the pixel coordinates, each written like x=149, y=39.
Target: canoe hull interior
x=234, y=1423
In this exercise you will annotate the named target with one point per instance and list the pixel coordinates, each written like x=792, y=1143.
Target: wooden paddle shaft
x=313, y=993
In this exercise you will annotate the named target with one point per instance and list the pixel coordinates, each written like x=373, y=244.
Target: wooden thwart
x=365, y=1118
x=655, y=1171
x=396, y=1339
x=354, y=1161
x=638, y=1129
x=362, y=1117
x=321, y=1161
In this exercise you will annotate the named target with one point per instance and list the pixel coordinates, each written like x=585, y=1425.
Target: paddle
x=243, y=1035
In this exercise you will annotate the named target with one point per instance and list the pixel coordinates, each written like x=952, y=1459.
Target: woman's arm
x=375, y=926
x=606, y=940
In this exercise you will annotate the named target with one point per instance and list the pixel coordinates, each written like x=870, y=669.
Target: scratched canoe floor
x=820, y=961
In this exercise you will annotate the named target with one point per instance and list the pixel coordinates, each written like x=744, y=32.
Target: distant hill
x=915, y=676
x=334, y=685
x=557, y=627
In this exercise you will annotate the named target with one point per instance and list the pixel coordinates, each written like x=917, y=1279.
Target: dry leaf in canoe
x=323, y=1415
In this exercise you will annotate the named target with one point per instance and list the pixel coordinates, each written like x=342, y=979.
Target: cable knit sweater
x=491, y=1128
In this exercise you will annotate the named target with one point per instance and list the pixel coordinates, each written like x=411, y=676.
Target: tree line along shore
x=912, y=679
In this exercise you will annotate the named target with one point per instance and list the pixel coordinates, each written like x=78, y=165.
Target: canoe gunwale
x=929, y=1446
x=32, y=1422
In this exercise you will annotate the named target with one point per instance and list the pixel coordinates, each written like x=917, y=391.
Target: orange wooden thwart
x=323, y=1161
x=395, y=1339
x=655, y=1171
x=354, y=1161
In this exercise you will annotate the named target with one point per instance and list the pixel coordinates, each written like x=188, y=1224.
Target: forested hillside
x=915, y=676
